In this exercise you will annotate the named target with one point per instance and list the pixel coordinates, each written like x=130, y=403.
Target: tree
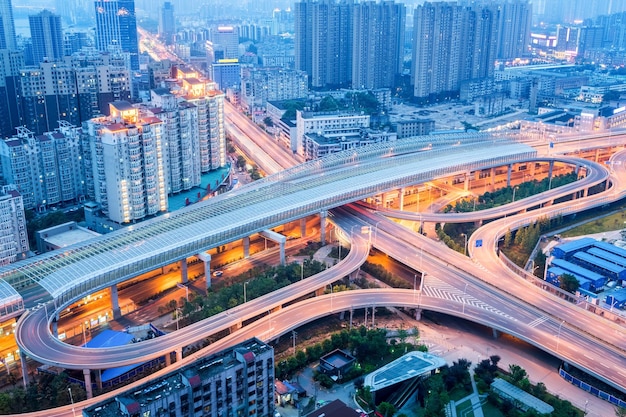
x=620, y=412
x=241, y=162
x=518, y=374
x=268, y=122
x=328, y=103
x=569, y=283
x=386, y=409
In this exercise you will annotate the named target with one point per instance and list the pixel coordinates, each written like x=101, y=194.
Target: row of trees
x=48, y=392
x=505, y=195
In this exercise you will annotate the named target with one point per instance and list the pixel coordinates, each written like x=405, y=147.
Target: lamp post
x=514, y=189
x=558, y=335
x=244, y=292
x=464, y=292
x=69, y=389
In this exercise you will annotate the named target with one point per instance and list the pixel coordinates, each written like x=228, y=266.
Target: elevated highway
x=308, y=189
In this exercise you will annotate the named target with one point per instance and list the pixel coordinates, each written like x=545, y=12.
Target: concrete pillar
x=492, y=176
x=550, y=169
x=246, y=247
x=115, y=302
x=531, y=170
x=88, y=388
x=206, y=259
x=303, y=227
x=351, y=314
x=163, y=270
x=179, y=355
x=55, y=327
x=509, y=170
x=323, y=215
x=168, y=359
x=373, y=315
x=184, y=278
x=596, y=157
x=584, y=192
x=401, y=198
x=99, y=379
x=495, y=333
x=25, y=377
x=418, y=314
x=342, y=315
x=278, y=238
x=466, y=180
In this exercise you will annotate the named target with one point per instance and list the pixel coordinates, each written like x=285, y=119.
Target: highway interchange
x=472, y=302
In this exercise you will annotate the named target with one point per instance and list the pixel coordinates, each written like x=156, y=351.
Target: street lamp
x=69, y=389
x=244, y=292
x=514, y=189
x=464, y=292
x=558, y=335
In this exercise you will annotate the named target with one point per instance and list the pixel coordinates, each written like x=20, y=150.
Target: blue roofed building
x=603, y=267
x=555, y=273
x=596, y=281
x=617, y=298
x=568, y=249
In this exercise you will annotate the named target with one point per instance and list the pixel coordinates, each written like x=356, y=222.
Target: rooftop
x=406, y=367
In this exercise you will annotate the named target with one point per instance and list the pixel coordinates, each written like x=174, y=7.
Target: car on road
x=218, y=273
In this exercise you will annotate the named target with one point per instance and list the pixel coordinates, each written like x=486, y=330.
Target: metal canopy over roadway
x=286, y=196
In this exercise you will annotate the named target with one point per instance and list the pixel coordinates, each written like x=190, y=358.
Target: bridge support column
x=278, y=238
x=401, y=198
x=351, y=315
x=509, y=171
x=25, y=377
x=55, y=326
x=596, y=157
x=466, y=179
x=303, y=227
x=206, y=260
x=495, y=333
x=179, y=355
x=342, y=315
x=531, y=170
x=99, y=379
x=418, y=314
x=88, y=387
x=184, y=277
x=373, y=316
x=168, y=359
x=323, y=215
x=115, y=302
x=550, y=170
x=246, y=247
x=478, y=223
x=492, y=178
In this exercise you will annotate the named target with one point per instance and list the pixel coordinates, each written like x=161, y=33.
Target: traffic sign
x=479, y=243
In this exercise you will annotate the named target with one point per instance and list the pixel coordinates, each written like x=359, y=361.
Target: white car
x=217, y=273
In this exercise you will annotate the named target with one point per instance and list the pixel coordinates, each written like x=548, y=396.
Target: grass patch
x=464, y=408
x=458, y=393
x=489, y=410
x=609, y=223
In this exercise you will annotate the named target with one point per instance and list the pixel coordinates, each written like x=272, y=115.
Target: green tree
x=268, y=122
x=569, y=283
x=517, y=374
x=328, y=103
x=241, y=162
x=386, y=409
x=620, y=412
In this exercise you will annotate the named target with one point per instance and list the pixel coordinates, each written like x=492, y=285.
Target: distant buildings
x=236, y=381
x=7, y=26
x=167, y=23
x=46, y=36
x=453, y=44
x=116, y=26
x=260, y=85
x=13, y=235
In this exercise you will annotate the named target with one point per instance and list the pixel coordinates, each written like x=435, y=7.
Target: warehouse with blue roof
x=605, y=268
x=555, y=273
x=617, y=298
x=589, y=280
x=568, y=249
x=608, y=256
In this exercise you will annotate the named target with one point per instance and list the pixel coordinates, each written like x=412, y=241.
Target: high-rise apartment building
x=7, y=26
x=116, y=26
x=126, y=163
x=514, y=20
x=181, y=133
x=260, y=85
x=13, y=234
x=11, y=62
x=167, y=23
x=47, y=36
x=323, y=41
x=238, y=381
x=378, y=44
x=46, y=169
x=75, y=90
x=452, y=44
x=223, y=44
